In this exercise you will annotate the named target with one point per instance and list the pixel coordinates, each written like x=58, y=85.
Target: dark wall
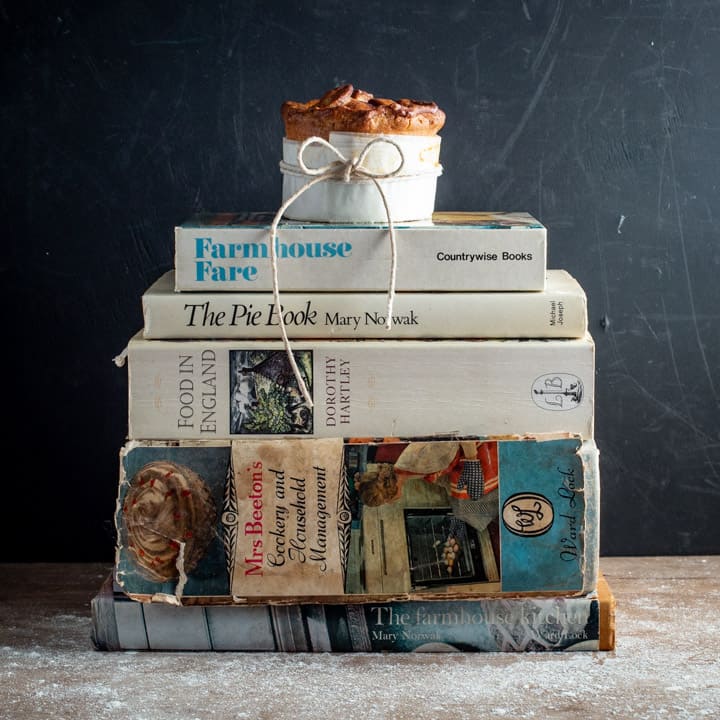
x=601, y=118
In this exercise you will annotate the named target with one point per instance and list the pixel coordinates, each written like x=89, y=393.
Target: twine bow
x=341, y=169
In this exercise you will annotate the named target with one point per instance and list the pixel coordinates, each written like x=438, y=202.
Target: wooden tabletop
x=665, y=664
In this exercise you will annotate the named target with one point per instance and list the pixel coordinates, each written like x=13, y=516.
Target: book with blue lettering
x=453, y=251
x=510, y=624
x=337, y=519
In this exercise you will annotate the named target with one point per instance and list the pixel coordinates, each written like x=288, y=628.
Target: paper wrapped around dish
x=410, y=193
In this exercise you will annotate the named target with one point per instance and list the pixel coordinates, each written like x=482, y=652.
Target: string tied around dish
x=345, y=169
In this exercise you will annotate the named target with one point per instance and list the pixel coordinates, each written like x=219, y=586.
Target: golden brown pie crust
x=346, y=109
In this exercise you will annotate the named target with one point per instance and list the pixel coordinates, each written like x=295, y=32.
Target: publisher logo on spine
x=528, y=514
x=557, y=391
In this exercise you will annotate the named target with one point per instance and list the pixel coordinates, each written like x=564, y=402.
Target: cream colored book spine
x=558, y=311
x=455, y=251
x=184, y=389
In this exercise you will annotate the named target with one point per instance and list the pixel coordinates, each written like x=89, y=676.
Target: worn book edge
x=177, y=592
x=190, y=628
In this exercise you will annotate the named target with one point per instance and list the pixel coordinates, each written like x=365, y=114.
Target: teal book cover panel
x=542, y=506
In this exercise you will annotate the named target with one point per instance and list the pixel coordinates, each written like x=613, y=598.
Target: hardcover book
x=454, y=251
x=529, y=624
x=558, y=311
x=275, y=520
x=204, y=389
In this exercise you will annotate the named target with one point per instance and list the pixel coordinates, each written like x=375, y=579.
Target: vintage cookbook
x=184, y=389
x=454, y=251
x=514, y=624
x=248, y=521
x=558, y=311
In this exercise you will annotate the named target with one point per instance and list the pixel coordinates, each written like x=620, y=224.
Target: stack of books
x=428, y=486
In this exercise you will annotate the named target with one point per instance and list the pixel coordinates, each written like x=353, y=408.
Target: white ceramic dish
x=410, y=193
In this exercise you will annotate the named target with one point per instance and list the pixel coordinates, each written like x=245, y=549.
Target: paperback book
x=529, y=624
x=390, y=519
x=558, y=311
x=454, y=251
x=204, y=389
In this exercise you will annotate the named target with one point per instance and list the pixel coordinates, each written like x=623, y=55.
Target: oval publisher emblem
x=557, y=391
x=528, y=514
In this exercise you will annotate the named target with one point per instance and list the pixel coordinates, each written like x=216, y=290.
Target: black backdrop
x=601, y=118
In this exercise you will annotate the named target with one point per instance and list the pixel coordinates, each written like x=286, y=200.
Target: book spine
x=183, y=389
x=358, y=259
x=538, y=624
x=250, y=521
x=559, y=314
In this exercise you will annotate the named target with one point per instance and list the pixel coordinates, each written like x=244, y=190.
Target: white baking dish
x=410, y=193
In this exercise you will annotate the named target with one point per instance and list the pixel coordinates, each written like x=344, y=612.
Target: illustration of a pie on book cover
x=261, y=520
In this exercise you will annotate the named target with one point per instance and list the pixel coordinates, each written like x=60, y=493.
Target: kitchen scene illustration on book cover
x=326, y=518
